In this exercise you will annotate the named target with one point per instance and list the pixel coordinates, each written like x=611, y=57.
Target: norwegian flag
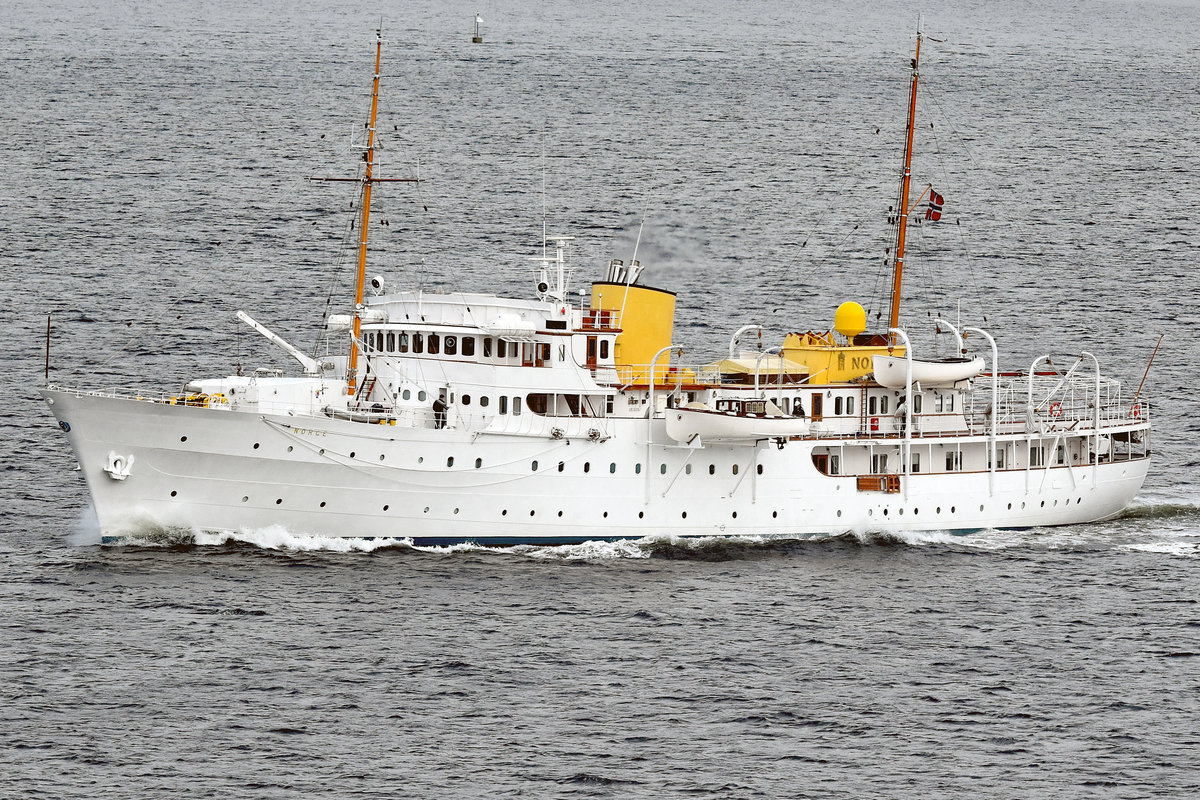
x=934, y=212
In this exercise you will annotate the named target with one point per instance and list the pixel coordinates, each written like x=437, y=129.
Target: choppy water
x=155, y=180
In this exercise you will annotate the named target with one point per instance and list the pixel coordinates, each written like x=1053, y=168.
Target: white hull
x=239, y=471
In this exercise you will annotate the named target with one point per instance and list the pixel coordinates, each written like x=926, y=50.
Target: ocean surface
x=155, y=179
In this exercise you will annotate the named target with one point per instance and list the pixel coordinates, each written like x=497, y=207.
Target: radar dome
x=850, y=320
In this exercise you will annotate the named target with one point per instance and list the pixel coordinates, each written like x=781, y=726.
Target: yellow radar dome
x=850, y=320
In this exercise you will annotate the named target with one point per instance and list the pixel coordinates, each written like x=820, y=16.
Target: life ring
x=1056, y=409
x=1136, y=411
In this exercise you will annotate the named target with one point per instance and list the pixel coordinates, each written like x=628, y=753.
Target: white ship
x=476, y=418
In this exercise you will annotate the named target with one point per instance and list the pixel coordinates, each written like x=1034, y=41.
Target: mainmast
x=367, y=180
x=902, y=228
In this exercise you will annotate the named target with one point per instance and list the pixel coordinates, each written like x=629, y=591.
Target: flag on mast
x=934, y=212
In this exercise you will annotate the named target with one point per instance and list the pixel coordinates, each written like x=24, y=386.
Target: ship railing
x=1059, y=402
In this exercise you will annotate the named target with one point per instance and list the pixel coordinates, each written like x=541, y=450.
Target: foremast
x=367, y=180
x=905, y=179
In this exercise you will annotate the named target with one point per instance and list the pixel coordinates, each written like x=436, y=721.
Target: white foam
x=277, y=537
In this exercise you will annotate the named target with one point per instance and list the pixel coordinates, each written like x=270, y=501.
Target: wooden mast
x=902, y=228
x=367, y=180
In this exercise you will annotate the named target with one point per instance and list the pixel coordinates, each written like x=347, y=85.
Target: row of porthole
x=587, y=466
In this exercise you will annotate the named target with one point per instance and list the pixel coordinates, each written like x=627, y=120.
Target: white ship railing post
x=1096, y=403
x=906, y=442
x=651, y=410
x=992, y=430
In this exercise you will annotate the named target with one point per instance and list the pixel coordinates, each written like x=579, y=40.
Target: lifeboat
x=732, y=420
x=891, y=371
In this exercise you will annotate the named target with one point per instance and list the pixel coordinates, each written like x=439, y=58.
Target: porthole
x=533, y=467
x=839, y=512
x=278, y=500
x=456, y=511
x=420, y=459
x=760, y=469
x=289, y=448
x=687, y=469
x=381, y=456
x=531, y=512
x=952, y=509
x=662, y=469
x=885, y=512
x=612, y=468
x=421, y=396
x=735, y=515
x=246, y=499
x=385, y=508
x=322, y=504
x=1043, y=504
x=1010, y=506
x=870, y=512
x=478, y=463
x=641, y=514
x=321, y=452
x=916, y=511
x=587, y=466
x=352, y=454
x=900, y=511
x=504, y=512
x=562, y=465
x=465, y=400
x=637, y=469
x=426, y=509
x=450, y=461
x=183, y=438
x=407, y=394
x=483, y=401
x=981, y=508
x=560, y=513
x=939, y=509
x=256, y=445
x=606, y=515
x=684, y=515
x=173, y=493
x=735, y=469
x=712, y=468
x=774, y=515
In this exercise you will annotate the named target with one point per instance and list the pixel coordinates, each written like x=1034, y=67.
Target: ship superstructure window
x=503, y=404
x=402, y=343
x=883, y=405
x=418, y=343
x=835, y=465
x=501, y=348
x=604, y=349
x=451, y=345
x=468, y=346
x=516, y=406
x=879, y=463
x=465, y=399
x=949, y=402
x=953, y=460
x=837, y=406
x=917, y=404
x=849, y=405
x=1061, y=454
x=487, y=347
x=872, y=405
x=484, y=400
x=915, y=466
x=433, y=344
x=391, y=342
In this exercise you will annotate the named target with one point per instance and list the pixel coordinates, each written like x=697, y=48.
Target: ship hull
x=210, y=470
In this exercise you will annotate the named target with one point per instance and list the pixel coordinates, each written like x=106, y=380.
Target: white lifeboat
x=891, y=371
x=734, y=420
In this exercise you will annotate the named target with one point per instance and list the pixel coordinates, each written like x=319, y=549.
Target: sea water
x=156, y=165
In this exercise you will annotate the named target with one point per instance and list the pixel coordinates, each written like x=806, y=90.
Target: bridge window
x=837, y=405
x=501, y=348
x=418, y=343
x=604, y=349
x=451, y=345
x=391, y=342
x=433, y=344
x=402, y=342
x=468, y=346
x=487, y=347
